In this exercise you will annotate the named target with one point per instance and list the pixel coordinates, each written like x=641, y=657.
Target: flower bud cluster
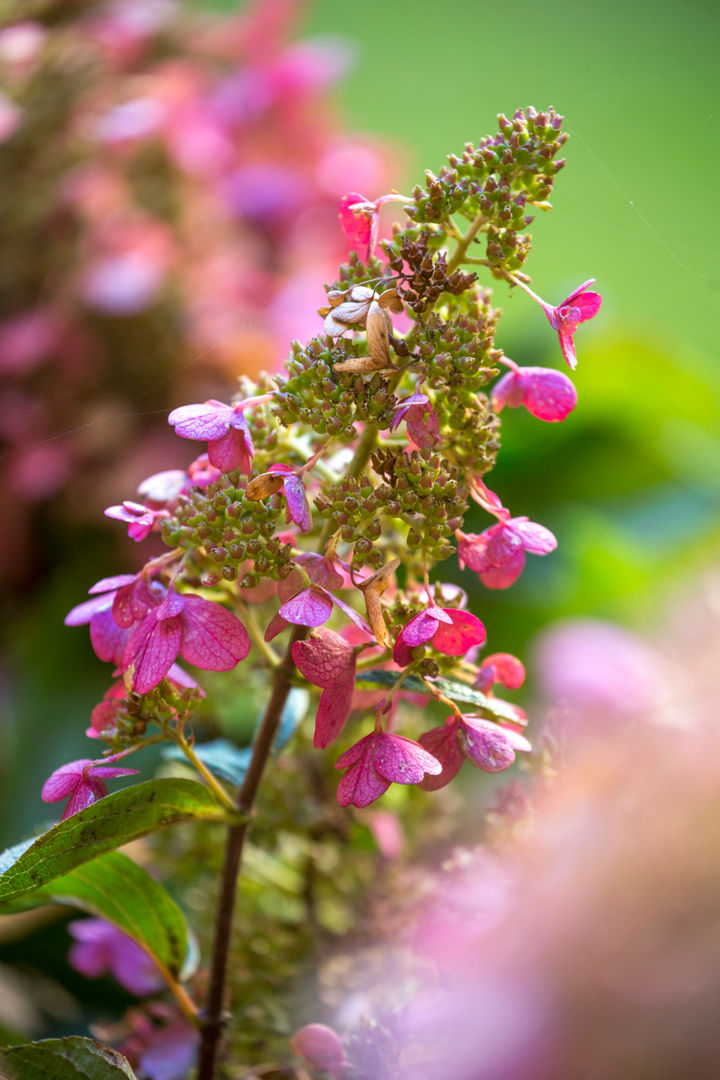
x=427, y=276
x=328, y=401
x=226, y=530
x=497, y=179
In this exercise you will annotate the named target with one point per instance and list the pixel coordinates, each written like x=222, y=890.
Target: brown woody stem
x=213, y=1019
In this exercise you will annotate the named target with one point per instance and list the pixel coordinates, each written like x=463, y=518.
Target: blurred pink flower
x=378, y=760
x=101, y=947
x=83, y=781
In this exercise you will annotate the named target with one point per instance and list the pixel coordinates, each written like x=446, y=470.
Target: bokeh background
x=629, y=483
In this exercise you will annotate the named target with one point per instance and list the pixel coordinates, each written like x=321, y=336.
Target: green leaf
x=117, y=889
x=63, y=1059
x=451, y=688
x=107, y=824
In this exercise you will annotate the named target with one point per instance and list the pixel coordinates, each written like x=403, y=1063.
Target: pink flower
x=485, y=744
x=140, y=519
x=203, y=633
x=117, y=604
x=378, y=760
x=577, y=308
x=321, y=1047
x=546, y=393
x=100, y=947
x=225, y=428
x=497, y=555
x=422, y=423
x=327, y=660
x=83, y=781
x=500, y=668
x=448, y=630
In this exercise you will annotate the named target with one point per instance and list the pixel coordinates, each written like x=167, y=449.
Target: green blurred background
x=630, y=481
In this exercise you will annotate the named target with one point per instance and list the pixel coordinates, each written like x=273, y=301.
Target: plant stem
x=213, y=1020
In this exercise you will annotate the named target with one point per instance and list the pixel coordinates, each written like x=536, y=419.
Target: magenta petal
x=207, y=422
x=354, y=616
x=503, y=668
x=576, y=293
x=361, y=785
x=485, y=744
x=509, y=390
x=401, y=760
x=419, y=630
x=109, y=584
x=85, y=795
x=151, y=651
x=402, y=654
x=548, y=394
x=568, y=347
x=213, y=638
x=321, y=570
x=535, y=538
x=357, y=227
x=63, y=781
x=229, y=452
x=311, y=607
x=297, y=503
x=502, y=577
x=442, y=743
x=123, y=608
x=472, y=552
x=109, y=771
x=324, y=658
x=502, y=546
x=455, y=640
x=355, y=752
x=173, y=604
x=588, y=304
x=333, y=711
x=276, y=626
x=107, y=638
x=83, y=613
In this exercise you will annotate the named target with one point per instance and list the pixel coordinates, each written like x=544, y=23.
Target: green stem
x=458, y=255
x=215, y=786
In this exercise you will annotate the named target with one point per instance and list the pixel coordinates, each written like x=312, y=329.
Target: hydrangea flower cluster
x=304, y=540
x=296, y=514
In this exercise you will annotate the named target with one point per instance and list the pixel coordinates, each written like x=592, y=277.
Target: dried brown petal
x=263, y=486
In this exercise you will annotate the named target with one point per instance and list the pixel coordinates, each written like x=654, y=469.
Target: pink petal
x=131, y=512
x=109, y=584
x=63, y=781
x=354, y=753
x=509, y=390
x=419, y=629
x=173, y=604
x=535, y=538
x=230, y=452
x=401, y=760
x=502, y=577
x=357, y=227
x=402, y=654
x=455, y=640
x=333, y=711
x=109, y=771
x=213, y=638
x=107, y=638
x=548, y=394
x=320, y=1046
x=588, y=304
x=442, y=743
x=276, y=626
x=485, y=744
x=205, y=422
x=151, y=651
x=85, y=795
x=506, y=669
x=83, y=613
x=324, y=658
x=297, y=503
x=502, y=546
x=576, y=293
x=321, y=570
x=472, y=552
x=568, y=348
x=353, y=615
x=361, y=785
x=311, y=607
